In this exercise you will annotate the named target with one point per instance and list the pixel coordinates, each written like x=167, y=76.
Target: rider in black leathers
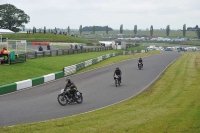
x=140, y=61
x=118, y=73
x=72, y=86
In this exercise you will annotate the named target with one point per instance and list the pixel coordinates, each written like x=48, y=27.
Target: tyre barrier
x=30, y=82
x=79, y=66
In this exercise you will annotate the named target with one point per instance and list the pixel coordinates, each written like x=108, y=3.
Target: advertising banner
x=39, y=43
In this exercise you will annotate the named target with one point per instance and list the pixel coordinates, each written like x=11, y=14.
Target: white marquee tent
x=6, y=31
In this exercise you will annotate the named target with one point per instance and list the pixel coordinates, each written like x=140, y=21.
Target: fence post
x=35, y=54
x=27, y=54
x=9, y=60
x=24, y=57
x=43, y=53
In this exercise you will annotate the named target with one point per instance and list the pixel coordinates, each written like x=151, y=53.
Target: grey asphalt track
x=98, y=88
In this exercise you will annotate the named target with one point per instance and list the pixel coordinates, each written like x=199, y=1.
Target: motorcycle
x=140, y=65
x=65, y=97
x=117, y=82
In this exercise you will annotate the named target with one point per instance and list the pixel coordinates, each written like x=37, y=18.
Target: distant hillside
x=97, y=28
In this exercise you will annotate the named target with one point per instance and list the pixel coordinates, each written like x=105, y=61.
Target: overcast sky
x=143, y=13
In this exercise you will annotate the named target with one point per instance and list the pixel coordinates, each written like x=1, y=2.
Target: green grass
x=140, y=47
x=171, y=105
x=40, y=37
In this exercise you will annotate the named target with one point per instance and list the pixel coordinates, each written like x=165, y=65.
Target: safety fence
x=58, y=52
x=53, y=76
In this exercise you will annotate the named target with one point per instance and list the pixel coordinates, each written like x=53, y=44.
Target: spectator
x=40, y=48
x=48, y=47
x=4, y=50
x=71, y=46
x=81, y=46
x=76, y=46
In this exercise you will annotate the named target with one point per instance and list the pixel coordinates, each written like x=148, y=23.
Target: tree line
x=13, y=19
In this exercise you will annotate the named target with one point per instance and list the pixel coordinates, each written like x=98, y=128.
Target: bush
x=89, y=44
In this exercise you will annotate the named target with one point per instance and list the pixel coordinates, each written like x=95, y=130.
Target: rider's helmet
x=69, y=81
x=117, y=68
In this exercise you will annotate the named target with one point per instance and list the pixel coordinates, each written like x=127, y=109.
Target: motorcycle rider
x=140, y=61
x=72, y=86
x=118, y=73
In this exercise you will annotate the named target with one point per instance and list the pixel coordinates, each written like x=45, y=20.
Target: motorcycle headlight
x=62, y=91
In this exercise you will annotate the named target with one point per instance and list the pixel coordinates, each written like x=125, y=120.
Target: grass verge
x=40, y=37
x=140, y=47
x=172, y=104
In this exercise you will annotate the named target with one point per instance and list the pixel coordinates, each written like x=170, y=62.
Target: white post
x=16, y=45
x=1, y=38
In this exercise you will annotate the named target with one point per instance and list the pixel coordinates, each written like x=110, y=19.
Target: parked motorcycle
x=65, y=97
x=117, y=81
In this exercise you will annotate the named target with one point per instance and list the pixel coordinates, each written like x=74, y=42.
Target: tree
x=12, y=18
x=93, y=29
x=198, y=33
x=135, y=29
x=33, y=30
x=167, y=30
x=68, y=30
x=151, y=30
x=107, y=29
x=121, y=29
x=97, y=28
x=80, y=29
x=55, y=31
x=184, y=29
x=44, y=29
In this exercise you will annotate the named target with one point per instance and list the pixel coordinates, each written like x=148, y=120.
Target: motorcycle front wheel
x=62, y=100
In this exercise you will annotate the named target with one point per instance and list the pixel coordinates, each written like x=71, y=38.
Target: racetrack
x=98, y=88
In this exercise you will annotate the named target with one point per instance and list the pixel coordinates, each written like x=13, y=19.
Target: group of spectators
x=76, y=46
x=102, y=45
x=40, y=48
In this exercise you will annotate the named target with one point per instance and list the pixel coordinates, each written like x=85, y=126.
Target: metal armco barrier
x=37, y=54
